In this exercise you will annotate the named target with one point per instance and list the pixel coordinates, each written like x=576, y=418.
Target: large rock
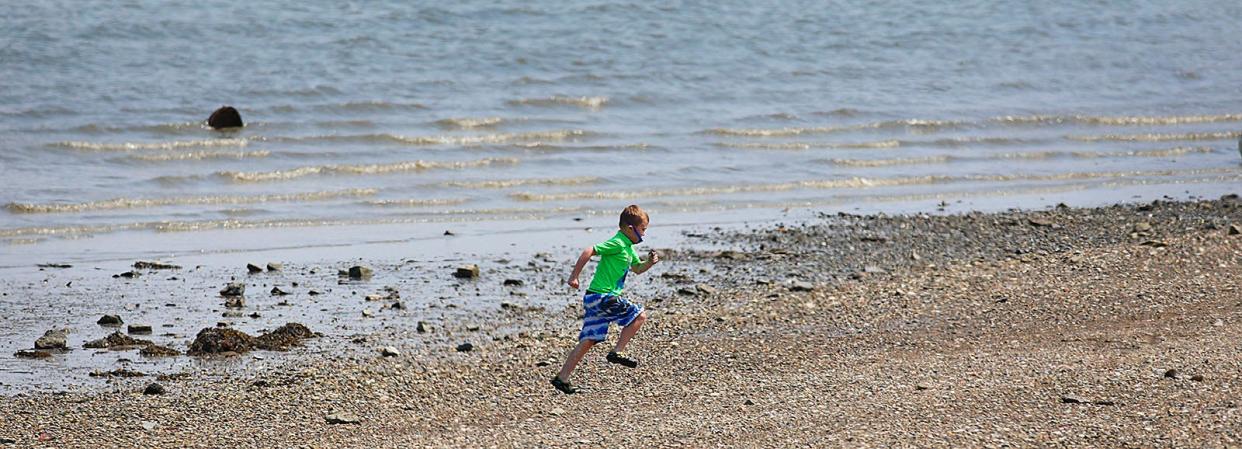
x=469, y=271
x=214, y=340
x=233, y=289
x=284, y=337
x=225, y=117
x=110, y=320
x=158, y=351
x=359, y=272
x=53, y=339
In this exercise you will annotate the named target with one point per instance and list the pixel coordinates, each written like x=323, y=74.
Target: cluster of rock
x=216, y=340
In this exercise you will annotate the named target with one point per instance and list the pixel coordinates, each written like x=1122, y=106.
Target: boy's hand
x=573, y=282
x=653, y=257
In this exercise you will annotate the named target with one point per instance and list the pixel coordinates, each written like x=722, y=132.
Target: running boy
x=603, y=303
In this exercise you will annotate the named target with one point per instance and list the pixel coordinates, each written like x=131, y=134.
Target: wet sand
x=1092, y=327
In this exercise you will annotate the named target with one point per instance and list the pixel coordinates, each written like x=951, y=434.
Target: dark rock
x=360, y=272
x=423, y=327
x=469, y=271
x=284, y=337
x=158, y=351
x=145, y=265
x=514, y=282
x=234, y=289
x=217, y=340
x=705, y=289
x=110, y=320
x=687, y=291
x=1234, y=229
x=314, y=293
x=273, y=266
x=1071, y=399
x=140, y=329
x=116, y=340
x=235, y=302
x=232, y=314
x=465, y=347
x=389, y=351
x=54, y=265
x=342, y=418
x=252, y=268
x=1040, y=221
x=1171, y=373
x=127, y=275
x=53, y=339
x=225, y=117
x=32, y=354
x=255, y=315
x=1197, y=378
x=801, y=286
x=154, y=389
x=276, y=291
x=1154, y=244
x=119, y=372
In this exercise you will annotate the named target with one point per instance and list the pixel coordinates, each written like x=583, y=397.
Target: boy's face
x=641, y=228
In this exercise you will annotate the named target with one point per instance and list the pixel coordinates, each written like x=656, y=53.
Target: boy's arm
x=582, y=261
x=652, y=259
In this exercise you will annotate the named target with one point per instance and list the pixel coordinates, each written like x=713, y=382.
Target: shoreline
x=900, y=310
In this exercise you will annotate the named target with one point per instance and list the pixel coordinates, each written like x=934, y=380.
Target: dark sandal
x=622, y=359
x=564, y=386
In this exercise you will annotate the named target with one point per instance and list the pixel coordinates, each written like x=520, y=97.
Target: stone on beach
x=235, y=302
x=274, y=266
x=233, y=289
x=32, y=354
x=360, y=272
x=116, y=340
x=468, y=271
x=139, y=329
x=252, y=268
x=225, y=117
x=148, y=265
x=154, y=350
x=276, y=291
x=465, y=347
x=53, y=339
x=110, y=320
x=389, y=351
x=342, y=418
x=801, y=286
x=214, y=340
x=154, y=389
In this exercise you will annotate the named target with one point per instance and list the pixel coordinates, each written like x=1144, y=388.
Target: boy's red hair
x=633, y=216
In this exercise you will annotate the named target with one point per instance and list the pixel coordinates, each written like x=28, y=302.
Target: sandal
x=621, y=359
x=564, y=386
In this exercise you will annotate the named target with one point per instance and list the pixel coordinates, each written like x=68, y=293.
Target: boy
x=603, y=303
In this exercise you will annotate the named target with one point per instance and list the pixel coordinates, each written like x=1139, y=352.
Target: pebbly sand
x=1093, y=327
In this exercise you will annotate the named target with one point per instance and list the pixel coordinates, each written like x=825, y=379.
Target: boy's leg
x=575, y=356
x=628, y=332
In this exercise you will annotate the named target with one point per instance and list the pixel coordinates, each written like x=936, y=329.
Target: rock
x=145, y=265
x=914, y=256
x=116, y=340
x=284, y=337
x=140, y=329
x=53, y=339
x=254, y=315
x=252, y=268
x=149, y=425
x=235, y=302
x=233, y=289
x=1171, y=373
x=556, y=411
x=119, y=372
x=922, y=386
x=32, y=354
x=705, y=289
x=1142, y=227
x=274, y=266
x=389, y=351
x=225, y=117
x=366, y=313
x=470, y=271
x=127, y=275
x=314, y=293
x=1071, y=399
x=801, y=286
x=154, y=389
x=873, y=269
x=514, y=283
x=1154, y=244
x=110, y=320
x=360, y=272
x=54, y=265
x=1040, y=221
x=423, y=327
x=154, y=350
x=687, y=291
x=465, y=347
x=342, y=418
x=1197, y=378
x=232, y=314
x=398, y=305
x=1234, y=229
x=216, y=340
x=276, y=291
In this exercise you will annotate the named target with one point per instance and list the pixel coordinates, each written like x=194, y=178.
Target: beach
x=1066, y=327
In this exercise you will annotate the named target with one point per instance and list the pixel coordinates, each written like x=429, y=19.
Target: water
x=385, y=114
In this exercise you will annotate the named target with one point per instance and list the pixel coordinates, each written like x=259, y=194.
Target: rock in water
x=225, y=117
x=29, y=354
x=110, y=320
x=423, y=327
x=283, y=337
x=276, y=291
x=470, y=271
x=216, y=340
x=140, y=329
x=235, y=302
x=158, y=351
x=53, y=339
x=252, y=268
x=360, y=272
x=513, y=282
x=273, y=266
x=233, y=289
x=116, y=340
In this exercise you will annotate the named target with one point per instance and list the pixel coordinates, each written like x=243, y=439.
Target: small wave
x=131, y=203
x=889, y=162
x=852, y=183
x=557, y=100
x=164, y=128
x=1159, y=137
x=440, y=139
x=138, y=146
x=914, y=124
x=1179, y=151
x=200, y=155
x=554, y=147
x=416, y=202
x=1117, y=120
x=372, y=169
x=373, y=105
x=469, y=123
x=811, y=145
x=501, y=184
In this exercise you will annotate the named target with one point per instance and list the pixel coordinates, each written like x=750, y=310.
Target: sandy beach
x=1070, y=327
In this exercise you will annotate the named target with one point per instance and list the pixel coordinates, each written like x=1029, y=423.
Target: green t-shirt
x=616, y=256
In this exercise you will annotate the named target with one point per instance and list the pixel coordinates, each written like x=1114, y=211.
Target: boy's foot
x=564, y=386
x=621, y=359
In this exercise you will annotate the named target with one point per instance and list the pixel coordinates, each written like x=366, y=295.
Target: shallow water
x=386, y=113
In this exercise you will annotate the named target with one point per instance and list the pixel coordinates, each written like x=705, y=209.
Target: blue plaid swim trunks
x=603, y=309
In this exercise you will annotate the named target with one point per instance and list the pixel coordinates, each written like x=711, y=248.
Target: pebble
x=273, y=266
x=252, y=268
x=389, y=351
x=465, y=347
x=110, y=320
x=53, y=339
x=342, y=418
x=360, y=272
x=154, y=389
x=801, y=286
x=469, y=271
x=139, y=329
